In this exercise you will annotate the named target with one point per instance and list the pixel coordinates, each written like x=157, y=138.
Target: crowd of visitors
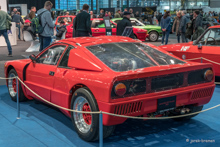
x=185, y=26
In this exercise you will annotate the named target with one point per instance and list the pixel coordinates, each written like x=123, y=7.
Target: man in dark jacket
x=125, y=22
x=197, y=25
x=198, y=21
x=182, y=26
x=61, y=30
x=82, y=23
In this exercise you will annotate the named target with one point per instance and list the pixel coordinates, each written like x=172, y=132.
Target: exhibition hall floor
x=42, y=125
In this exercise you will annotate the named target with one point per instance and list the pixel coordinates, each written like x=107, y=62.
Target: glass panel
x=130, y=56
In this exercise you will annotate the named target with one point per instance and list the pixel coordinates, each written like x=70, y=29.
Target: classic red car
x=98, y=29
x=206, y=46
x=112, y=74
x=68, y=19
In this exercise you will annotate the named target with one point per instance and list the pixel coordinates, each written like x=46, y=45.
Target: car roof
x=87, y=41
x=217, y=26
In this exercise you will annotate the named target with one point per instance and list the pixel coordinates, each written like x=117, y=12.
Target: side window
x=65, y=58
x=52, y=55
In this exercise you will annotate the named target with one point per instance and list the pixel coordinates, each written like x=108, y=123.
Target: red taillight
x=208, y=75
x=120, y=89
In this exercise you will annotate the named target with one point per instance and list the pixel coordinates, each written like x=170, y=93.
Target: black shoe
x=10, y=55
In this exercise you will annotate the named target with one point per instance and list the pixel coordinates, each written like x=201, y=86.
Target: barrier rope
x=107, y=113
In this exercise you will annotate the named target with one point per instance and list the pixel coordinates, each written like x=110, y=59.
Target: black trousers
x=82, y=34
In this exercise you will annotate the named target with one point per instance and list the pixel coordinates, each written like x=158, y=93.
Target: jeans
x=165, y=34
x=44, y=42
x=5, y=35
x=19, y=31
x=82, y=33
x=178, y=38
x=183, y=36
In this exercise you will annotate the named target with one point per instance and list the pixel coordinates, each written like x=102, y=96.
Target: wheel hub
x=83, y=121
x=12, y=85
x=87, y=117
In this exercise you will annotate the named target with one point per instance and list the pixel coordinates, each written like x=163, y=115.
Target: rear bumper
x=141, y=105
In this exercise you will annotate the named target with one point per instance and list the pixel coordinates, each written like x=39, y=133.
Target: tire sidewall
x=93, y=132
x=10, y=72
x=153, y=32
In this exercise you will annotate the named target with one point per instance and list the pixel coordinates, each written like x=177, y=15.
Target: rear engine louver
x=130, y=108
x=202, y=93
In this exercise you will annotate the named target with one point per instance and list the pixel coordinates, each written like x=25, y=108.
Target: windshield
x=131, y=56
x=136, y=22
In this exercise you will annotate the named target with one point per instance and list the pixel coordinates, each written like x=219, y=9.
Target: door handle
x=51, y=73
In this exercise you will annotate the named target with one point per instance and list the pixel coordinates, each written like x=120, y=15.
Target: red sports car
x=112, y=74
x=98, y=29
x=206, y=46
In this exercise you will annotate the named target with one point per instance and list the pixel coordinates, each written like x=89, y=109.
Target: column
x=4, y=5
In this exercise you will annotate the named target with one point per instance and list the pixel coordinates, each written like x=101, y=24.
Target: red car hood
x=172, y=47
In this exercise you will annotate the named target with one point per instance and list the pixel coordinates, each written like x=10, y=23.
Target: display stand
x=108, y=27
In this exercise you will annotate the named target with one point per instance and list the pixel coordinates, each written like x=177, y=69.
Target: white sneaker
x=162, y=44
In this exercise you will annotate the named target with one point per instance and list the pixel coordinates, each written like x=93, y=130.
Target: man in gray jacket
x=182, y=27
x=47, y=23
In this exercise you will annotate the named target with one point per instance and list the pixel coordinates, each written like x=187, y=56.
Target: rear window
x=131, y=56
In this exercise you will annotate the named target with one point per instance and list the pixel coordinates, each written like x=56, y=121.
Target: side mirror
x=33, y=58
x=200, y=46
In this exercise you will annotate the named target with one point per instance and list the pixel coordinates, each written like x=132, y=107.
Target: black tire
x=93, y=133
x=20, y=90
x=153, y=36
x=193, y=109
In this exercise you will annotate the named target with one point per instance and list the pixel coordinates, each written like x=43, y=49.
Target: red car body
x=206, y=46
x=86, y=70
x=141, y=34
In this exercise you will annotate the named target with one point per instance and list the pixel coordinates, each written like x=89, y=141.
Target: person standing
x=14, y=12
x=182, y=26
x=110, y=15
x=137, y=15
x=125, y=22
x=132, y=14
x=18, y=20
x=82, y=23
x=4, y=17
x=159, y=16
x=61, y=30
x=117, y=14
x=47, y=24
x=92, y=15
x=101, y=15
x=176, y=25
x=197, y=25
x=165, y=27
x=32, y=13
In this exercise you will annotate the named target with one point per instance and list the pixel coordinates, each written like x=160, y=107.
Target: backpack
x=36, y=26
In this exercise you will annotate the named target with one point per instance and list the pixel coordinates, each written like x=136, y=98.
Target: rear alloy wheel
x=193, y=109
x=153, y=36
x=87, y=125
x=12, y=87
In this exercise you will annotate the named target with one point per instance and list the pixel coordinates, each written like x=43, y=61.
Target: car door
x=207, y=46
x=40, y=74
x=61, y=89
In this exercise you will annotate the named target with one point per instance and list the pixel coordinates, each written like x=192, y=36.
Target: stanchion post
x=100, y=130
x=18, y=106
x=201, y=59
